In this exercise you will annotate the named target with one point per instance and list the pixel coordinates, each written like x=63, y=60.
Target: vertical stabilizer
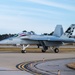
x=70, y=30
x=68, y=33
x=58, y=31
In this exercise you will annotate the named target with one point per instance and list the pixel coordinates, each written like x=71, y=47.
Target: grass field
x=71, y=65
x=34, y=50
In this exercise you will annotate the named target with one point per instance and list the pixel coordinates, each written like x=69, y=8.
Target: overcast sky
x=39, y=16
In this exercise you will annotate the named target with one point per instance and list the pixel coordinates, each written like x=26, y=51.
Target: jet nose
x=3, y=42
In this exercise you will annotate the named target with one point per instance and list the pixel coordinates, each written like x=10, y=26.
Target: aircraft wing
x=48, y=38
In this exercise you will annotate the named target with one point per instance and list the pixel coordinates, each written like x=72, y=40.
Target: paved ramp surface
x=8, y=61
x=48, y=67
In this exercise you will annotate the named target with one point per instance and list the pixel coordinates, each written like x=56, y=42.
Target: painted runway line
x=47, y=67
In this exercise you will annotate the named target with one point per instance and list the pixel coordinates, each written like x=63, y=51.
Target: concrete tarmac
x=8, y=61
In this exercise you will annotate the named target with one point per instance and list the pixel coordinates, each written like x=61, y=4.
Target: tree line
x=5, y=36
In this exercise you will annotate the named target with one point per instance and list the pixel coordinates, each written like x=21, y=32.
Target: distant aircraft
x=55, y=40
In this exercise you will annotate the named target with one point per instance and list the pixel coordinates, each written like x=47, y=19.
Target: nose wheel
x=56, y=50
x=23, y=51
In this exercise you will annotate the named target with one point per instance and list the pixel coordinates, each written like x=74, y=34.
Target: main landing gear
x=23, y=49
x=56, y=50
x=44, y=49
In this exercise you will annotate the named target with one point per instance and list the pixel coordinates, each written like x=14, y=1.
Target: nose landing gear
x=23, y=49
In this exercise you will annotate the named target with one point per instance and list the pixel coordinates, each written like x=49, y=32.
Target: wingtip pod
x=72, y=24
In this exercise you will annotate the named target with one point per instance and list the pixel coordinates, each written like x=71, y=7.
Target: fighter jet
x=53, y=41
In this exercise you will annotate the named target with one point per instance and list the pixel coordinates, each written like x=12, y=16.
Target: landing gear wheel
x=43, y=51
x=56, y=50
x=23, y=51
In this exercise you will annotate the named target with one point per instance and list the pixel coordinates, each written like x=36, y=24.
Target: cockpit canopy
x=25, y=33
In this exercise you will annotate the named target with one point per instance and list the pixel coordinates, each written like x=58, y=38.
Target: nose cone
x=11, y=41
x=7, y=41
x=4, y=41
